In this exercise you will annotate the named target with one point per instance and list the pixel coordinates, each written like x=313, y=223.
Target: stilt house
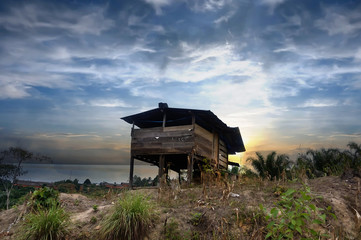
x=177, y=139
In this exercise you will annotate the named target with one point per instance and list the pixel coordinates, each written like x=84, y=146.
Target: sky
x=286, y=72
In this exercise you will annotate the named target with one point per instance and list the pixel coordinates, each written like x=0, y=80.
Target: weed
x=131, y=219
x=95, y=208
x=293, y=216
x=44, y=198
x=171, y=231
x=93, y=220
x=46, y=224
x=76, y=202
x=196, y=218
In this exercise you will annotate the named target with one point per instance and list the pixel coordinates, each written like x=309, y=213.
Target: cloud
x=108, y=103
x=320, y=103
x=158, y=4
x=340, y=21
x=272, y=4
x=207, y=5
x=35, y=16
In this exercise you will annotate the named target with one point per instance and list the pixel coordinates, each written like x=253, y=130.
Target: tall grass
x=46, y=224
x=131, y=219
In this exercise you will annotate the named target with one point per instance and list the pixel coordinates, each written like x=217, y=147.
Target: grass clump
x=131, y=219
x=46, y=224
x=47, y=219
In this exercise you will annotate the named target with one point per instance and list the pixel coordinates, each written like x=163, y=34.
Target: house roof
x=180, y=116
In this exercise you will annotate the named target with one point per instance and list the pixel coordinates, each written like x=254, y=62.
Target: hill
x=221, y=210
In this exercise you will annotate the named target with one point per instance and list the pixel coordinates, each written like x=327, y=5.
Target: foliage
x=294, y=215
x=93, y=220
x=196, y=218
x=273, y=166
x=354, y=155
x=11, y=167
x=171, y=231
x=95, y=208
x=45, y=198
x=234, y=170
x=87, y=182
x=144, y=182
x=46, y=224
x=246, y=172
x=131, y=219
x=17, y=196
x=332, y=161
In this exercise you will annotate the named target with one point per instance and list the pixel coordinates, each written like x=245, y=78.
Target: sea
x=95, y=173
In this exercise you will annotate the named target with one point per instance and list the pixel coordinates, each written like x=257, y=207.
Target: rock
x=235, y=195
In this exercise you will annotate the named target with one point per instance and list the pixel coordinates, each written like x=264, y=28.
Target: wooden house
x=177, y=139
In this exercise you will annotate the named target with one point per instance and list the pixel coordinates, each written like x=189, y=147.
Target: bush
x=46, y=224
x=294, y=216
x=44, y=198
x=131, y=219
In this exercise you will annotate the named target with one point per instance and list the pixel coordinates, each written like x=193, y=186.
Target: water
x=96, y=173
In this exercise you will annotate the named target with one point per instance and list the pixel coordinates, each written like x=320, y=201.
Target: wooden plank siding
x=204, y=142
x=180, y=140
x=159, y=140
x=223, y=154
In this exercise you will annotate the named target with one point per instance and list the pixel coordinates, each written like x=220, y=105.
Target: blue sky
x=287, y=73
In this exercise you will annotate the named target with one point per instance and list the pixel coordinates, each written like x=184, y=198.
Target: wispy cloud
x=340, y=21
x=108, y=103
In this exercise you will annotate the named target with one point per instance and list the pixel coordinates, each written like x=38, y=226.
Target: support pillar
x=190, y=168
x=161, y=169
x=131, y=172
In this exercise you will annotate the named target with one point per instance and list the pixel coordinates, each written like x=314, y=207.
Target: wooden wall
x=203, y=142
x=168, y=140
x=180, y=140
x=223, y=155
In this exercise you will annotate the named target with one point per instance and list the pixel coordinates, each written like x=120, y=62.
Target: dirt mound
x=220, y=209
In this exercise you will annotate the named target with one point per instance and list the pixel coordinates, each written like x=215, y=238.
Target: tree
x=354, y=154
x=11, y=167
x=87, y=182
x=273, y=166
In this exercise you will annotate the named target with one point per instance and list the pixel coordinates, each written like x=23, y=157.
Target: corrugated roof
x=180, y=116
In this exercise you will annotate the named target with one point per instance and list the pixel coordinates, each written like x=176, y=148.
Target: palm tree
x=354, y=154
x=273, y=166
x=259, y=164
x=329, y=161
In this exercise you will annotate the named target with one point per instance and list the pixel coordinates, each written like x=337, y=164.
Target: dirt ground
x=217, y=211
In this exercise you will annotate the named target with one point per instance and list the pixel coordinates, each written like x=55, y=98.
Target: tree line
x=313, y=163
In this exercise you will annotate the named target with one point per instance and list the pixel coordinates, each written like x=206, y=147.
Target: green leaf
x=270, y=224
x=268, y=235
x=298, y=229
x=317, y=221
x=312, y=206
x=274, y=212
x=261, y=207
x=289, y=192
x=313, y=232
x=323, y=217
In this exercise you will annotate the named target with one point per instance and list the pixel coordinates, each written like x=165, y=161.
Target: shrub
x=46, y=224
x=131, y=219
x=293, y=216
x=196, y=218
x=44, y=198
x=95, y=208
x=171, y=231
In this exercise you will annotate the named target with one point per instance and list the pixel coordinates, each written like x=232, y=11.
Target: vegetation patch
x=131, y=219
